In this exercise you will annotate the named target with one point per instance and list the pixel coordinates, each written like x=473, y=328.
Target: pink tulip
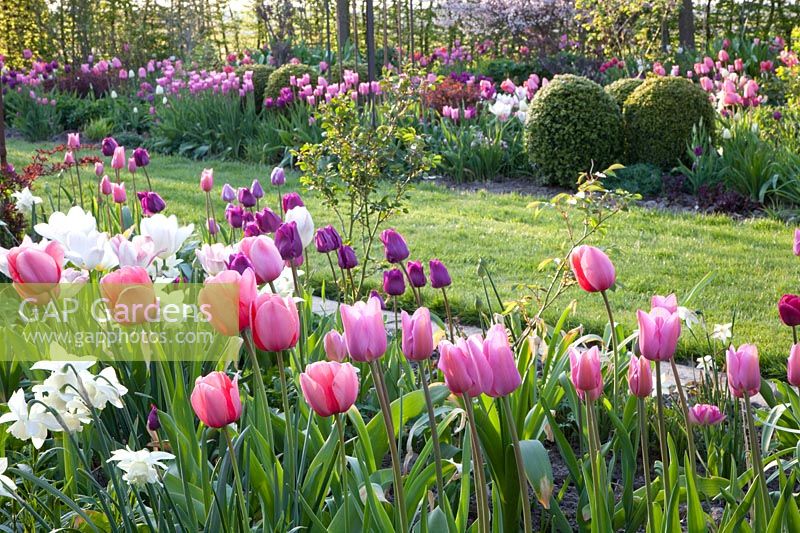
x=207, y=179
x=329, y=387
x=36, y=271
x=592, y=268
x=105, y=185
x=640, y=377
x=417, y=342
x=118, y=193
x=131, y=165
x=69, y=158
x=796, y=248
x=275, y=322
x=465, y=368
x=215, y=400
x=704, y=414
x=658, y=333
x=793, y=366
x=74, y=141
x=129, y=295
x=226, y=299
x=496, y=349
x=364, y=332
x=744, y=376
x=335, y=347
x=118, y=159
x=585, y=372
x=669, y=302
x=99, y=169
x=265, y=257
x=723, y=56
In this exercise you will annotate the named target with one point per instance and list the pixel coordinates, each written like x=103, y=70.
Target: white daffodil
x=722, y=332
x=706, y=363
x=60, y=225
x=305, y=224
x=90, y=251
x=29, y=423
x=140, y=466
x=164, y=270
x=104, y=388
x=284, y=284
x=7, y=485
x=167, y=235
x=212, y=257
x=688, y=316
x=24, y=200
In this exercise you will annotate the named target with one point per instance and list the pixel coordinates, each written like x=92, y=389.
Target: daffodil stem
x=523, y=484
x=614, y=347
x=437, y=452
x=484, y=519
x=662, y=437
x=646, y=463
x=237, y=479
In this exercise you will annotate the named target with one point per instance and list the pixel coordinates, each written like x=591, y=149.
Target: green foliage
x=659, y=117
x=361, y=69
x=621, y=89
x=640, y=178
x=34, y=120
x=261, y=74
x=572, y=126
x=280, y=78
x=703, y=165
x=98, y=128
x=500, y=69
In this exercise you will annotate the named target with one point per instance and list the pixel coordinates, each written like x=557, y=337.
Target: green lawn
x=654, y=252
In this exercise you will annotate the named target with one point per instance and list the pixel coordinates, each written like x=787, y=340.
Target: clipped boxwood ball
x=621, y=89
x=573, y=125
x=282, y=76
x=659, y=117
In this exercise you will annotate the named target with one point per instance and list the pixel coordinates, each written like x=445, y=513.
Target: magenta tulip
x=417, y=344
x=329, y=387
x=744, y=375
x=793, y=366
x=704, y=414
x=640, y=377
x=585, y=372
x=658, y=333
x=207, y=180
x=364, y=332
x=789, y=309
x=592, y=268
x=669, y=302
x=215, y=400
x=394, y=246
x=497, y=350
x=105, y=185
x=465, y=368
x=796, y=242
x=264, y=256
x=275, y=322
x=440, y=277
x=335, y=347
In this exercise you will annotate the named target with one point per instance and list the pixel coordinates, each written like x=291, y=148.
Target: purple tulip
x=327, y=239
x=416, y=273
x=256, y=189
x=151, y=202
x=152, y=418
x=440, y=277
x=108, y=146
x=213, y=227
x=375, y=294
x=251, y=229
x=228, y=194
x=268, y=221
x=287, y=239
x=347, y=257
x=394, y=246
x=246, y=197
x=278, y=176
x=141, y=157
x=290, y=200
x=239, y=262
x=233, y=214
x=394, y=283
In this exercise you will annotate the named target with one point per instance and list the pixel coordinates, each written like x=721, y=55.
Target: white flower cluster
x=63, y=401
x=506, y=105
x=140, y=466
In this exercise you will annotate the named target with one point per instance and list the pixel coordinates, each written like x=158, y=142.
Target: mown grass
x=654, y=252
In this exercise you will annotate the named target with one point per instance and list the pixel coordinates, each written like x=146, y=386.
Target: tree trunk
x=3, y=154
x=343, y=23
x=686, y=25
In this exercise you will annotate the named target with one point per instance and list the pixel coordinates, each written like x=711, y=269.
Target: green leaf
x=538, y=470
x=696, y=518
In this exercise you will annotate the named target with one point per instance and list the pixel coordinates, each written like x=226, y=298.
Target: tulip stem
x=237, y=478
x=598, y=486
x=484, y=519
x=794, y=334
x=414, y=290
x=755, y=453
x=437, y=452
x=662, y=437
x=383, y=399
x=613, y=346
x=288, y=452
x=685, y=408
x=340, y=427
x=78, y=175
x=260, y=389
x=449, y=315
x=646, y=463
x=333, y=270
x=523, y=484
x=294, y=279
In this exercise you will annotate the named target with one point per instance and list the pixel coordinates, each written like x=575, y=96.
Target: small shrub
x=659, y=117
x=500, y=69
x=98, y=128
x=129, y=139
x=282, y=76
x=572, y=126
x=361, y=69
x=621, y=89
x=641, y=179
x=453, y=93
x=261, y=74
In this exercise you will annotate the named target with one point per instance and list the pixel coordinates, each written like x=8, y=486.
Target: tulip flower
x=118, y=159
x=151, y=202
x=234, y=214
x=264, y=256
x=327, y=239
x=744, y=376
x=74, y=141
x=108, y=146
x=793, y=366
x=256, y=189
x=207, y=180
x=464, y=366
x=669, y=302
x=394, y=246
x=704, y=414
x=417, y=343
x=228, y=194
x=393, y=282
x=416, y=274
x=275, y=322
x=329, y=387
x=497, y=350
x=39, y=268
x=268, y=221
x=213, y=227
x=141, y=157
x=585, y=372
x=592, y=268
x=69, y=158
x=658, y=333
x=287, y=239
x=278, y=176
x=346, y=257
x=290, y=201
x=375, y=295
x=118, y=193
x=239, y=262
x=153, y=424
x=797, y=242
x=105, y=186
x=215, y=400
x=440, y=277
x=789, y=310
x=640, y=377
x=129, y=295
x=364, y=332
x=226, y=299
x=131, y=165
x=246, y=197
x=99, y=169
x=335, y=347
x=301, y=216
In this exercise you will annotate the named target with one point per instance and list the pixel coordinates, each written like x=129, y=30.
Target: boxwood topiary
x=572, y=126
x=261, y=74
x=282, y=75
x=659, y=117
x=621, y=89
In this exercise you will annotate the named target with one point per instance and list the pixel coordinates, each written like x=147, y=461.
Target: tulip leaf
x=538, y=469
x=695, y=520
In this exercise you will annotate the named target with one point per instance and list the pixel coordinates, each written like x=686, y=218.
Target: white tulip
x=167, y=235
x=305, y=225
x=90, y=251
x=60, y=225
x=212, y=257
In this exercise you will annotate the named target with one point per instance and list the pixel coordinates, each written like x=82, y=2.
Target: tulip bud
x=234, y=215
x=151, y=202
x=789, y=309
x=118, y=159
x=364, y=332
x=141, y=157
x=440, y=277
x=640, y=377
x=797, y=242
x=118, y=193
x=497, y=350
x=290, y=201
x=417, y=344
x=744, y=375
x=287, y=239
x=264, y=256
x=592, y=268
x=246, y=197
x=228, y=194
x=213, y=227
x=416, y=274
x=278, y=176
x=335, y=347
x=658, y=333
x=105, y=185
x=329, y=387
x=215, y=400
x=69, y=158
x=131, y=165
x=464, y=366
x=207, y=180
x=585, y=372
x=394, y=246
x=346, y=257
x=74, y=141
x=256, y=189
x=705, y=415
x=670, y=302
x=393, y=282
x=108, y=146
x=275, y=323
x=99, y=169
x=268, y=221
x=327, y=239
x=153, y=423
x=793, y=366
